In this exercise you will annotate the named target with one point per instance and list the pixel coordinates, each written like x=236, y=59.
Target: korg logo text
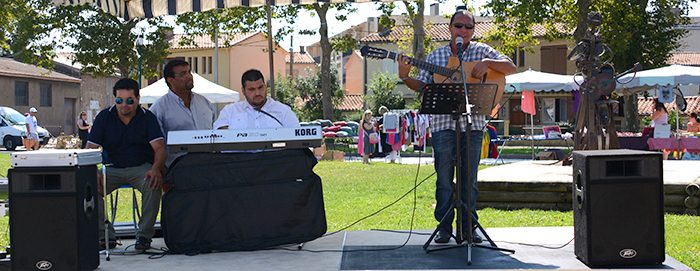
x=242, y=135
x=304, y=132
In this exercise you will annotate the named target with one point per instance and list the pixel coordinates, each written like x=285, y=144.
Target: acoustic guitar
x=447, y=74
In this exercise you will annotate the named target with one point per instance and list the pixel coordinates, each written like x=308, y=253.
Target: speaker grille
x=49, y=222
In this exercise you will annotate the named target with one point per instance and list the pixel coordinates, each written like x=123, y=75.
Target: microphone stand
x=468, y=206
x=458, y=204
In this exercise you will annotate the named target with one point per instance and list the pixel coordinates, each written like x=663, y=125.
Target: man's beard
x=258, y=105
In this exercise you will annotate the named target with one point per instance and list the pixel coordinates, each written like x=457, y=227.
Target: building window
x=204, y=65
x=189, y=60
x=553, y=110
x=521, y=59
x=21, y=93
x=45, y=90
x=210, y=65
x=196, y=67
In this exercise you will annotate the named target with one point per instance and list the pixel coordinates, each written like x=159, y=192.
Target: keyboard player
x=258, y=110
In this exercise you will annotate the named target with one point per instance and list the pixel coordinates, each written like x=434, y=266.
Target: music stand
x=443, y=99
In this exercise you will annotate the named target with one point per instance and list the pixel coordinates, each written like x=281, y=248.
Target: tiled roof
x=12, y=68
x=352, y=102
x=300, y=58
x=204, y=41
x=441, y=32
x=685, y=58
x=646, y=105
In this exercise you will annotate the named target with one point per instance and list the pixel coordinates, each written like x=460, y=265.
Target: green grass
x=4, y=164
x=353, y=191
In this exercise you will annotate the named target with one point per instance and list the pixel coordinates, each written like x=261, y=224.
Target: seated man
x=134, y=149
x=258, y=110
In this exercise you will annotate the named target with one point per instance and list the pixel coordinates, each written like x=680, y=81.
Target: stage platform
x=535, y=248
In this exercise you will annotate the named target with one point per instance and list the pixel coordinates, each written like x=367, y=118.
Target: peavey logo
x=305, y=132
x=43, y=265
x=628, y=253
x=251, y=134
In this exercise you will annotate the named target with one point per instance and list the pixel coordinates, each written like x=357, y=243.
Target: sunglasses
x=128, y=101
x=460, y=25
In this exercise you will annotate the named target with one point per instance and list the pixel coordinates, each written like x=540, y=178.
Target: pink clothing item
x=360, y=143
x=527, y=103
x=663, y=119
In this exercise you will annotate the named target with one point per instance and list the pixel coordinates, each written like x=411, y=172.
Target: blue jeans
x=445, y=159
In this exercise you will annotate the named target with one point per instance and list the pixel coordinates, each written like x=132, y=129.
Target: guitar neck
x=444, y=71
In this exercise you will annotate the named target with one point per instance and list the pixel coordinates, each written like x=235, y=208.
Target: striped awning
x=128, y=9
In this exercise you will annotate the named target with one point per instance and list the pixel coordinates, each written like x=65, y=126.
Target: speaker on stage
x=53, y=218
x=618, y=207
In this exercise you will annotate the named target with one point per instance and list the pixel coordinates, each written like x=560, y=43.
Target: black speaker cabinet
x=53, y=218
x=618, y=207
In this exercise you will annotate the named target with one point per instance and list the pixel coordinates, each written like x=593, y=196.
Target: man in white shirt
x=32, y=134
x=258, y=110
x=180, y=108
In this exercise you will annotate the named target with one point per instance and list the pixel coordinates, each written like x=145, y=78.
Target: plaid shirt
x=476, y=51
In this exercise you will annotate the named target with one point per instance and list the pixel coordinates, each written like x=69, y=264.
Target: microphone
x=459, y=41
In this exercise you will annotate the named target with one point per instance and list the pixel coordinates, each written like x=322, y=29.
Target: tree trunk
x=630, y=123
x=419, y=32
x=321, y=10
x=582, y=26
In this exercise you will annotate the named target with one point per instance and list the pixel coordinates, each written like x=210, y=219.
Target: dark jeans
x=445, y=158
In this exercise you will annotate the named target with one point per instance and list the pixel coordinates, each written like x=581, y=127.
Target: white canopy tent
x=540, y=81
x=213, y=92
x=665, y=79
x=669, y=75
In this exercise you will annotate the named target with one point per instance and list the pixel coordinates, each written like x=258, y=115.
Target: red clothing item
x=527, y=102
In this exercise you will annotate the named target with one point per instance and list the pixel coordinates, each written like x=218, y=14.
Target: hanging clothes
x=527, y=102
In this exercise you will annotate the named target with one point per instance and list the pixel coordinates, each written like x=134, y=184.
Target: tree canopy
x=636, y=31
x=103, y=44
x=25, y=30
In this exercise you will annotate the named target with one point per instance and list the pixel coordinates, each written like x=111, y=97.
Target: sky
x=369, y=10
x=365, y=10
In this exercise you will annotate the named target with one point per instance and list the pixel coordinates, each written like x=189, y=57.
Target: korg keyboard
x=246, y=139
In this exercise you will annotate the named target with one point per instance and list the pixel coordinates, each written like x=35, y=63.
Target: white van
x=13, y=128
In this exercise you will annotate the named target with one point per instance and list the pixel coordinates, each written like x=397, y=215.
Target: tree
x=105, y=44
x=25, y=29
x=321, y=10
x=238, y=19
x=636, y=31
x=414, y=20
x=102, y=43
x=381, y=92
x=304, y=95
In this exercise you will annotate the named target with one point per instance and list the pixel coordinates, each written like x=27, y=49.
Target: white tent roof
x=539, y=81
x=669, y=75
x=213, y=92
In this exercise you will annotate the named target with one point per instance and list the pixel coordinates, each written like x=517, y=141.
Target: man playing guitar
x=443, y=127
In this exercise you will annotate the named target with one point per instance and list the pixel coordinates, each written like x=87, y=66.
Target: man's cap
x=33, y=110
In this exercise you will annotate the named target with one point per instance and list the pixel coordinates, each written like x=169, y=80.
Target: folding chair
x=135, y=211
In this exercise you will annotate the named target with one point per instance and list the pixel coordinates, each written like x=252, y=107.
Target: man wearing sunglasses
x=443, y=126
x=180, y=108
x=133, y=147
